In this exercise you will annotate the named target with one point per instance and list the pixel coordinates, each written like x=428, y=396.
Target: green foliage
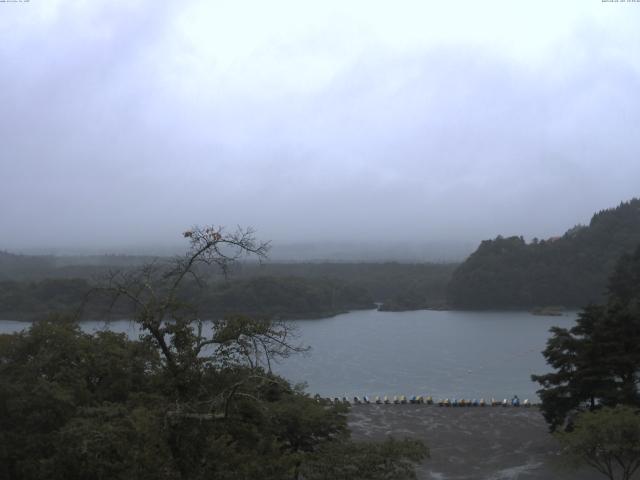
x=391, y=459
x=597, y=361
x=278, y=290
x=74, y=405
x=571, y=270
x=52, y=378
x=607, y=440
x=24, y=300
x=399, y=286
x=189, y=400
x=285, y=297
x=13, y=266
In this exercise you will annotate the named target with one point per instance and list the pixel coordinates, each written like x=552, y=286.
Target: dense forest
x=32, y=286
x=571, y=270
x=397, y=286
x=283, y=297
x=181, y=402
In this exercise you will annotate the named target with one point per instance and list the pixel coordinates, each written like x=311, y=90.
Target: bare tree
x=154, y=292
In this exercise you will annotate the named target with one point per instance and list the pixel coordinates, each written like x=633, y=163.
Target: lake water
x=443, y=354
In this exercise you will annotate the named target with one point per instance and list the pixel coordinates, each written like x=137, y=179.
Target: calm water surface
x=444, y=354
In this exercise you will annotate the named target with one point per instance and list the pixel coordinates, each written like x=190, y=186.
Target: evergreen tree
x=597, y=361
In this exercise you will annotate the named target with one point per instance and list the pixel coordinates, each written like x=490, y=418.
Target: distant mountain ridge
x=570, y=270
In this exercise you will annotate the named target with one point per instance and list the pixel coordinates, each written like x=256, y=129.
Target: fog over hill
x=453, y=251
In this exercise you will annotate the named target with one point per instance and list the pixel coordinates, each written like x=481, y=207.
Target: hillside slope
x=571, y=270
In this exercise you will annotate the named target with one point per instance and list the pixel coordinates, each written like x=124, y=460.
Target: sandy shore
x=470, y=443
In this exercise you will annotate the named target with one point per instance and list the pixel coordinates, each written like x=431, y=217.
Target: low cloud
x=115, y=132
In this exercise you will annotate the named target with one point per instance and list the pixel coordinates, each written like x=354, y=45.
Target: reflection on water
x=444, y=354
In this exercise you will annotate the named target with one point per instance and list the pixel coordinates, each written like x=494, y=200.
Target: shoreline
x=470, y=443
x=335, y=313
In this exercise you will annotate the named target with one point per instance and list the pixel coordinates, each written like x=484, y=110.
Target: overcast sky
x=124, y=122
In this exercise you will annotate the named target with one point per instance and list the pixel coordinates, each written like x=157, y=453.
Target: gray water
x=443, y=354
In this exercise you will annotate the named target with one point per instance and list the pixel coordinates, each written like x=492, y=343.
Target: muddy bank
x=471, y=443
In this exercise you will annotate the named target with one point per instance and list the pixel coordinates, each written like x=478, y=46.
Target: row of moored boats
x=428, y=400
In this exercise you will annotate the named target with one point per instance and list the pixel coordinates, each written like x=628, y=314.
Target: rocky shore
x=471, y=443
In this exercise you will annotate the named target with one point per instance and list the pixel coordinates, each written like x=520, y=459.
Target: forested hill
x=32, y=286
x=571, y=270
x=12, y=265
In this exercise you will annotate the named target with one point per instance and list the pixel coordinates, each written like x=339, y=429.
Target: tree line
x=282, y=297
x=297, y=290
